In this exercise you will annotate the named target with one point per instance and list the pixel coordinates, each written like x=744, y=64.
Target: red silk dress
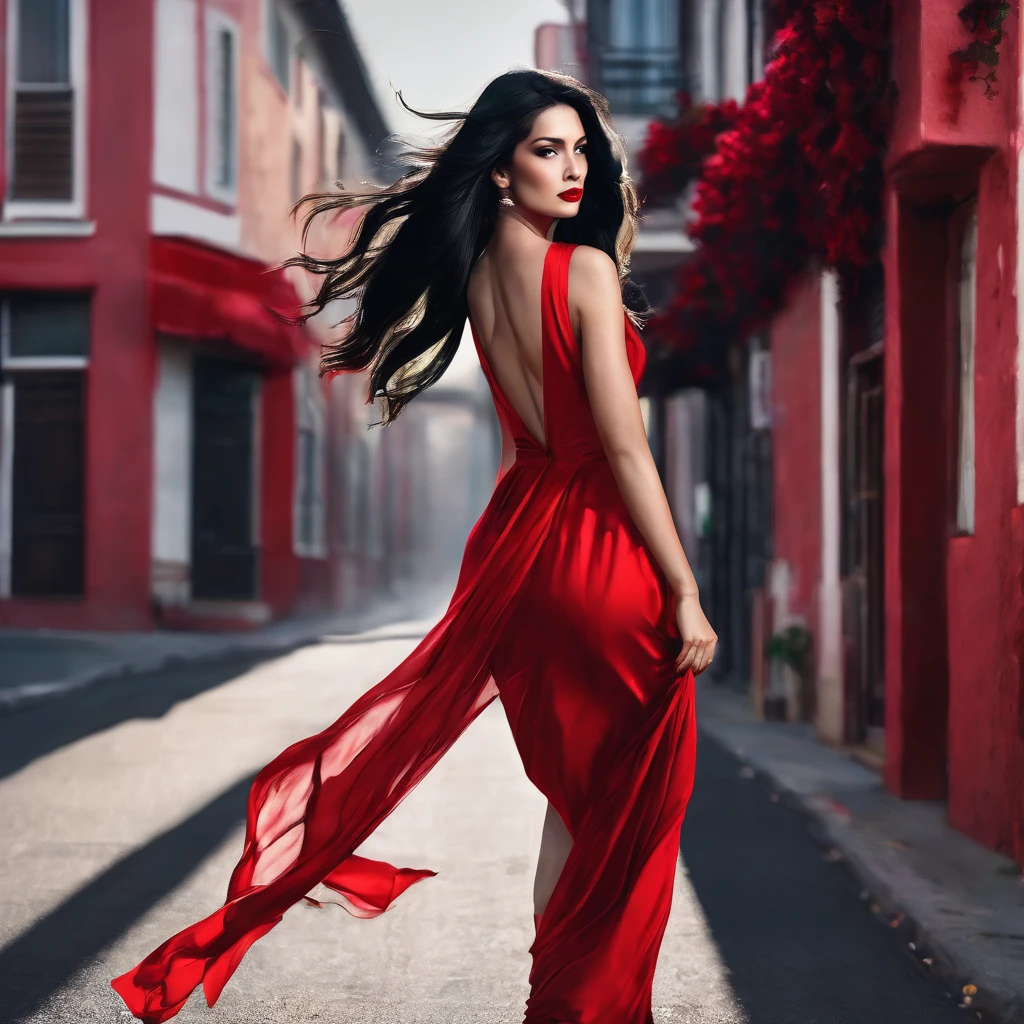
x=560, y=609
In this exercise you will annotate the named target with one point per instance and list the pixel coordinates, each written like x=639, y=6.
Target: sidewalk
x=36, y=665
x=959, y=905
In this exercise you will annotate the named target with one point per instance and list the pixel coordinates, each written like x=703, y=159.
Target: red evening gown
x=560, y=608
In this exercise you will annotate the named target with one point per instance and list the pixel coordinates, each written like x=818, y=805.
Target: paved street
x=122, y=806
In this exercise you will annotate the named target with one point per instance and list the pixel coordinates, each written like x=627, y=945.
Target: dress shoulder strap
x=557, y=322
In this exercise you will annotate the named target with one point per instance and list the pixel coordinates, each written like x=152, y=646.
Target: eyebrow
x=551, y=138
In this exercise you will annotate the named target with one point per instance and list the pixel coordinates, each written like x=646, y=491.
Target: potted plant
x=789, y=655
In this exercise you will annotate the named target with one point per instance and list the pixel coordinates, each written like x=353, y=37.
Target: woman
x=575, y=602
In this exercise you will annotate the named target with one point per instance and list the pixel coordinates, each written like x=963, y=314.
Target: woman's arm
x=595, y=295
x=597, y=298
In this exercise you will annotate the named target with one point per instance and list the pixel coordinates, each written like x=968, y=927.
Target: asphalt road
x=122, y=808
x=800, y=944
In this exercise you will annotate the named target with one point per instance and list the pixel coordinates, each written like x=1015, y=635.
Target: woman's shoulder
x=589, y=261
x=593, y=276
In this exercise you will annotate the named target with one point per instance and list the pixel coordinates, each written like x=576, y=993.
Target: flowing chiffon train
x=559, y=608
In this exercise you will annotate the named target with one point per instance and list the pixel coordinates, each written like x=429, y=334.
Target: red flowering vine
x=796, y=176
x=673, y=151
x=984, y=19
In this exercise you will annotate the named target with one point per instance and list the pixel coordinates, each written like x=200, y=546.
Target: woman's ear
x=500, y=178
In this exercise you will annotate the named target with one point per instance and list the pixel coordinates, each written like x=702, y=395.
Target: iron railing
x=639, y=81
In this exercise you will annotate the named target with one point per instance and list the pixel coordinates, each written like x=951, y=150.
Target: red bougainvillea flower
x=672, y=152
x=792, y=175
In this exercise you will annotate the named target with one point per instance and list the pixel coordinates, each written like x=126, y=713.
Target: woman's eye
x=544, y=150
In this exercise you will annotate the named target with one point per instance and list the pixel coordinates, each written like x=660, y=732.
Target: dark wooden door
x=865, y=583
x=224, y=555
x=48, y=557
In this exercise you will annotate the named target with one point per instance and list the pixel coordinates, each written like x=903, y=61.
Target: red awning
x=198, y=291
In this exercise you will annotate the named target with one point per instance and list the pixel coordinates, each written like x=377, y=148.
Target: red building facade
x=899, y=490
x=167, y=453
x=81, y=232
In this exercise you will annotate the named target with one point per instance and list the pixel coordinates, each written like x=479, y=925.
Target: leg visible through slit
x=555, y=845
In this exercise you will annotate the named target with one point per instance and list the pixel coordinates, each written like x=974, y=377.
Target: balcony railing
x=642, y=82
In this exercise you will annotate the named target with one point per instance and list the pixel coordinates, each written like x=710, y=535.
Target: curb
x=930, y=950
x=385, y=613
x=17, y=698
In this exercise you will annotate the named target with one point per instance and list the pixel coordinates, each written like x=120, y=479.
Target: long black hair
x=419, y=237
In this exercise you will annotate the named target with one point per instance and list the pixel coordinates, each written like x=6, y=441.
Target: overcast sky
x=441, y=54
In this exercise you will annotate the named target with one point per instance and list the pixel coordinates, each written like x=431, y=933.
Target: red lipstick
x=571, y=195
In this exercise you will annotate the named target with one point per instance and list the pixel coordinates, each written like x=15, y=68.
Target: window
x=278, y=45
x=222, y=106
x=640, y=68
x=965, y=455
x=44, y=346
x=41, y=330
x=310, y=464
x=356, y=483
x=45, y=112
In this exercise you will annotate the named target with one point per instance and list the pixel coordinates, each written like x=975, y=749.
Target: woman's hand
x=699, y=639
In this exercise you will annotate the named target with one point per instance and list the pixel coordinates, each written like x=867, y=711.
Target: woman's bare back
x=504, y=296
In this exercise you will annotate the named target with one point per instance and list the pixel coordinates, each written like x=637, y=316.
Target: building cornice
x=329, y=41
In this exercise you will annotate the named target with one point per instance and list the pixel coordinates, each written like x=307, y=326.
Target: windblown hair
x=419, y=238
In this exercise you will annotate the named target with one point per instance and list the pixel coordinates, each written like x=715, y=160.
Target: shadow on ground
x=43, y=959
x=35, y=730
x=800, y=945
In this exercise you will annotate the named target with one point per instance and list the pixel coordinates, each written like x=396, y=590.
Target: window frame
x=11, y=366
x=270, y=8
x=217, y=23
x=51, y=209
x=710, y=40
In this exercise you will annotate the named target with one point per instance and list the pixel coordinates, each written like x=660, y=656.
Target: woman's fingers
x=705, y=657
x=686, y=656
x=689, y=656
x=701, y=661
x=697, y=654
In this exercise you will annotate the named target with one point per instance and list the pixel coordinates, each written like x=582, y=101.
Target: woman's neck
x=513, y=223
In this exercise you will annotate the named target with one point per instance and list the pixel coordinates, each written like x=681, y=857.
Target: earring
x=506, y=198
